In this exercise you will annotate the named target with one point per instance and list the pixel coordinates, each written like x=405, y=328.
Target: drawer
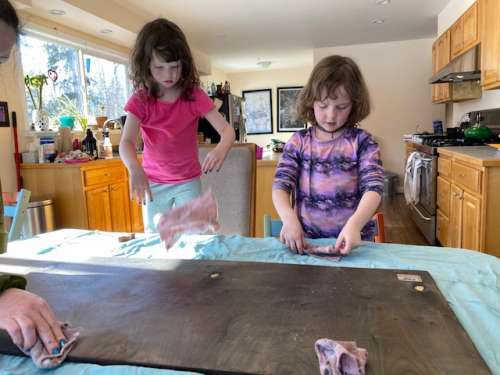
x=443, y=195
x=103, y=175
x=444, y=167
x=467, y=177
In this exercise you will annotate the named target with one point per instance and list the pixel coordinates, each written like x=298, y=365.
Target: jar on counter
x=48, y=149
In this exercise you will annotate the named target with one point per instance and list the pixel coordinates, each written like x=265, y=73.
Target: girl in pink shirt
x=166, y=107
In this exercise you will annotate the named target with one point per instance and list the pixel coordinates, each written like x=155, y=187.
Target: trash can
x=390, y=184
x=39, y=218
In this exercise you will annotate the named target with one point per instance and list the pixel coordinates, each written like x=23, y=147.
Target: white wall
x=269, y=79
x=396, y=74
x=490, y=98
x=11, y=79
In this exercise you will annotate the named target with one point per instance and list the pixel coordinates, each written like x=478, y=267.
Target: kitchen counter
x=483, y=156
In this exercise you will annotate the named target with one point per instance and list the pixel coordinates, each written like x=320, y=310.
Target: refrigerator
x=232, y=110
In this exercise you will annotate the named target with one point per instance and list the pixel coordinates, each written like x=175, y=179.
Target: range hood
x=463, y=68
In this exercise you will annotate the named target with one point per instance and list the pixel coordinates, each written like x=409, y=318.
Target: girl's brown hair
x=167, y=41
x=327, y=76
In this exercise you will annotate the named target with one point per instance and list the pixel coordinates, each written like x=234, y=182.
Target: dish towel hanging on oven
x=413, y=172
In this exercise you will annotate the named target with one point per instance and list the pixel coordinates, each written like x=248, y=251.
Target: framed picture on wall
x=258, y=111
x=4, y=115
x=287, y=109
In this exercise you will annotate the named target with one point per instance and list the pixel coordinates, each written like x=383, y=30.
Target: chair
x=234, y=188
x=272, y=228
x=16, y=206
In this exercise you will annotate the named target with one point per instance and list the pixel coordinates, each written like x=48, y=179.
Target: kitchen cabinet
x=464, y=33
x=107, y=199
x=266, y=169
x=490, y=44
x=91, y=195
x=440, y=57
x=108, y=208
x=468, y=203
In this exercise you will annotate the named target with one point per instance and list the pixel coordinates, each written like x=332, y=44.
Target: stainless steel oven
x=423, y=209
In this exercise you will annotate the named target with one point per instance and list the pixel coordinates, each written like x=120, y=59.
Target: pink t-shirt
x=169, y=131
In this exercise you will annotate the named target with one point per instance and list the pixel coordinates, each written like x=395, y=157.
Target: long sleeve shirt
x=328, y=179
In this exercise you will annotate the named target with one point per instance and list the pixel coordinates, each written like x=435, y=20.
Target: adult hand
x=292, y=235
x=214, y=160
x=139, y=186
x=25, y=316
x=348, y=239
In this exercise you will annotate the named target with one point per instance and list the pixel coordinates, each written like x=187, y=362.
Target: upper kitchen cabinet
x=490, y=44
x=441, y=57
x=464, y=33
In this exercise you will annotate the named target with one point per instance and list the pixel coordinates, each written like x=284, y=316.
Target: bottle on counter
x=108, y=147
x=89, y=145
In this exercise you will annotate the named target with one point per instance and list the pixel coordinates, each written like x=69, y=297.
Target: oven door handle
x=421, y=214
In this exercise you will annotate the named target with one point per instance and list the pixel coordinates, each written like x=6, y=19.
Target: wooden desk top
x=220, y=317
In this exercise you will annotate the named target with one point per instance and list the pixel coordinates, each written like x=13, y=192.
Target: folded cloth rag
x=43, y=359
x=324, y=251
x=196, y=217
x=340, y=357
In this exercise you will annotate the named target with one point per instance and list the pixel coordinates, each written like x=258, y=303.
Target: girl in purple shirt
x=333, y=168
x=166, y=107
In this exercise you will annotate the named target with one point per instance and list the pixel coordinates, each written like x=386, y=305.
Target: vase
x=40, y=119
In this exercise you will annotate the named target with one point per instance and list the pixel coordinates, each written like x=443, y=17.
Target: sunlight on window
x=38, y=57
x=106, y=82
x=106, y=86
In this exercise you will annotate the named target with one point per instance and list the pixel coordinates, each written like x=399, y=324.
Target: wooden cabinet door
x=136, y=217
x=98, y=208
x=470, y=27
x=264, y=201
x=443, y=195
x=119, y=205
x=442, y=228
x=457, y=38
x=455, y=227
x=490, y=44
x=471, y=221
x=444, y=50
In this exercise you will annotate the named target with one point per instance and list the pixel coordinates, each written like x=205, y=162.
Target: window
x=106, y=86
x=96, y=86
x=38, y=57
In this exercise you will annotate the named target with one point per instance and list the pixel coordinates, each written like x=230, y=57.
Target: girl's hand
x=214, y=160
x=348, y=239
x=139, y=186
x=292, y=235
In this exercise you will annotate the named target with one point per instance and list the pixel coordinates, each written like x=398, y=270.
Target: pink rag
x=198, y=216
x=43, y=359
x=340, y=357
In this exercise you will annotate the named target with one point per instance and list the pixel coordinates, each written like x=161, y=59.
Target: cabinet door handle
x=107, y=174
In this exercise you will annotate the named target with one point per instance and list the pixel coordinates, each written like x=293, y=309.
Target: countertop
x=269, y=159
x=484, y=156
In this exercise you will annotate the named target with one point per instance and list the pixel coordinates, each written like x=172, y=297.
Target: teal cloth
x=469, y=280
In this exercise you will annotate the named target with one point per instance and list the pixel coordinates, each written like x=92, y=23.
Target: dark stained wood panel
x=220, y=317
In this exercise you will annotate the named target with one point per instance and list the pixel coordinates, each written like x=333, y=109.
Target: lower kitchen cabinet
x=468, y=201
x=108, y=208
x=93, y=195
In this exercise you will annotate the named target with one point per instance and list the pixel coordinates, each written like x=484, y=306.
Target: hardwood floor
x=399, y=228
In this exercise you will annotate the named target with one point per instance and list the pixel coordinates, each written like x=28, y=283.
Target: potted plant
x=68, y=109
x=101, y=119
x=35, y=84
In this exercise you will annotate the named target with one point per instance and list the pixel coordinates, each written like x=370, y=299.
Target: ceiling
x=236, y=34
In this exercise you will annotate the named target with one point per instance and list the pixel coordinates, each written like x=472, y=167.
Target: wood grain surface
x=219, y=317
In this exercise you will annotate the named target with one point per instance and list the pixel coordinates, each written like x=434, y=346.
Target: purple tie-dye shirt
x=329, y=178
